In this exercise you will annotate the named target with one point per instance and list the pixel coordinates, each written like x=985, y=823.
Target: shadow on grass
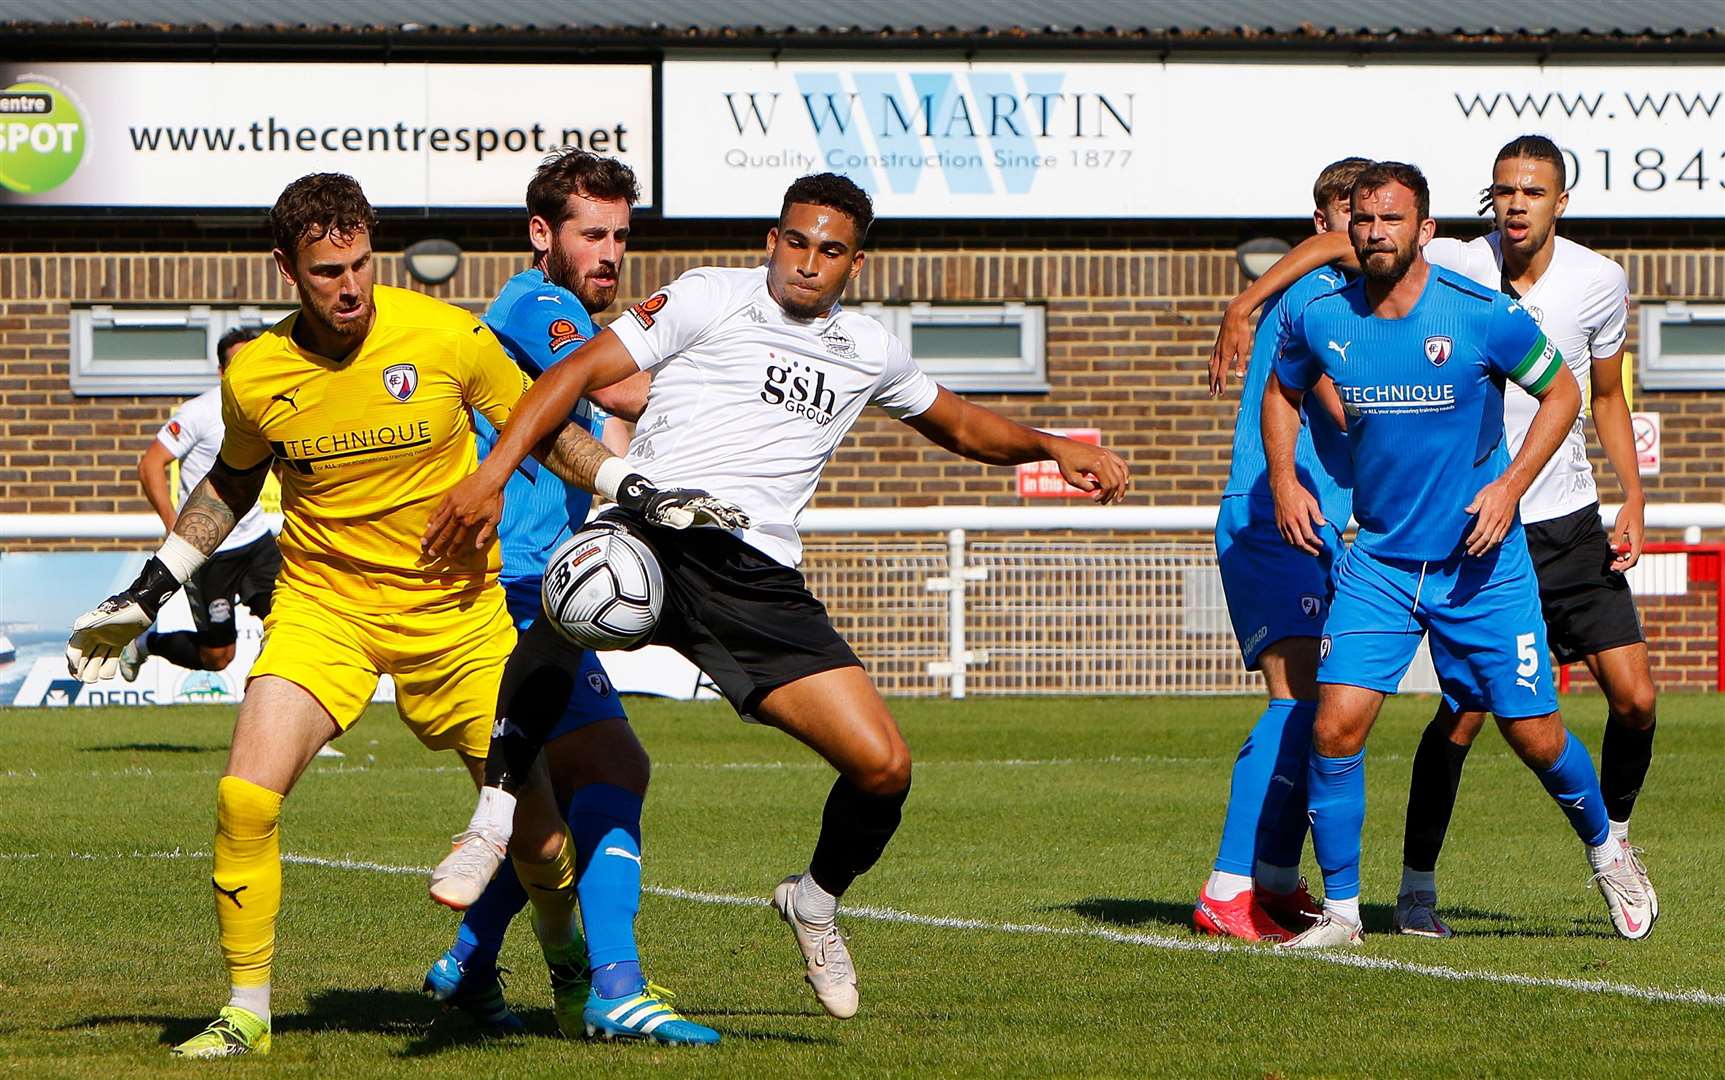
x=151, y=748
x=1172, y=917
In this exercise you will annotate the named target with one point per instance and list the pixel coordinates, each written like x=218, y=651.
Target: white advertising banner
x=1046, y=139
x=233, y=135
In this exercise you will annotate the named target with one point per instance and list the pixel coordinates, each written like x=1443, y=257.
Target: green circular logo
x=41, y=137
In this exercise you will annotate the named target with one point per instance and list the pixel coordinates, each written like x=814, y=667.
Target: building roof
x=910, y=23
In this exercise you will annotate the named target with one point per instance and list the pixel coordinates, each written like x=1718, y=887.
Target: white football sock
x=495, y=813
x=1605, y=854
x=1280, y=880
x=1224, y=886
x=814, y=905
x=1620, y=829
x=253, y=999
x=1347, y=911
x=1419, y=880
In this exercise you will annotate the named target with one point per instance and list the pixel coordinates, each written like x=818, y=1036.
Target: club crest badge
x=1311, y=605
x=401, y=380
x=1438, y=349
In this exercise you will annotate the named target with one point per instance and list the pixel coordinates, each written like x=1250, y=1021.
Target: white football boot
x=1629, y=897
x=1328, y=932
x=830, y=971
x=468, y=868
x=1416, y=913
x=132, y=658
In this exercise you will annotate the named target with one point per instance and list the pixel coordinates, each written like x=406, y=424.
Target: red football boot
x=1296, y=911
x=1242, y=917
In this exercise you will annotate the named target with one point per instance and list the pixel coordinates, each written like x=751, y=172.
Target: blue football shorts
x=1274, y=589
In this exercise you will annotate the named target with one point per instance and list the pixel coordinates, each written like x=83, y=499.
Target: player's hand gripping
x=1494, y=510
x=1629, y=533
x=1233, y=348
x=1091, y=468
x=93, y=650
x=465, y=520
x=1298, y=517
x=677, y=508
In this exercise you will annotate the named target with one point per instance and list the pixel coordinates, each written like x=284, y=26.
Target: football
x=603, y=589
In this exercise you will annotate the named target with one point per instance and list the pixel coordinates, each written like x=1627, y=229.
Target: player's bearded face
x=585, y=253
x=1385, y=228
x=1527, y=198
x=334, y=276
x=812, y=254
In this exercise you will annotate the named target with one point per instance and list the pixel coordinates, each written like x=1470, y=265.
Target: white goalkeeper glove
x=93, y=650
x=673, y=508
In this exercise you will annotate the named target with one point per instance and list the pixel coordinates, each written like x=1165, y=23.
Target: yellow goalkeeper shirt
x=366, y=446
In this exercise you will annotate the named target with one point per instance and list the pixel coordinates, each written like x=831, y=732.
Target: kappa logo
x=1340, y=350
x=1311, y=605
x=401, y=380
x=839, y=344
x=753, y=314
x=1438, y=349
x=563, y=332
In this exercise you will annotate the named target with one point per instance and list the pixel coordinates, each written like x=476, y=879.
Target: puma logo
x=625, y=853
x=1531, y=684
x=231, y=894
x=1341, y=350
x=1576, y=805
x=289, y=398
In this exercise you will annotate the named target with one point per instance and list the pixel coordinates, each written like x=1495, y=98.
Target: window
x=1683, y=346
x=974, y=348
x=150, y=350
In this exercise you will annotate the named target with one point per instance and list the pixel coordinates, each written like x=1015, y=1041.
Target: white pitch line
x=1116, y=937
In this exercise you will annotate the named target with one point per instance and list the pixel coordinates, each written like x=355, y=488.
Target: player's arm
x=153, y=479
x=626, y=399
x=1540, y=371
x=1298, y=515
x=1331, y=402
x=1233, y=348
x=971, y=431
x=1617, y=436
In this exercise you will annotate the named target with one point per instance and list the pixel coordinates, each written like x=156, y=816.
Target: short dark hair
x=316, y=205
x=233, y=339
x=1379, y=173
x=573, y=171
x=841, y=193
x=1539, y=148
x=1337, y=180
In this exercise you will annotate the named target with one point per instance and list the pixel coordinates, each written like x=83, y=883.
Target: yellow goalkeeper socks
x=551, y=887
x=248, y=881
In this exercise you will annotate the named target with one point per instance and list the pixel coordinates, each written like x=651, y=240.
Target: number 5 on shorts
x=1528, y=660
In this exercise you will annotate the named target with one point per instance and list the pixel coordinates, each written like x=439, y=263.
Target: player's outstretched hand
x=1091, y=468
x=1629, y=534
x=93, y=650
x=1232, y=351
x=1494, y=510
x=466, y=519
x=678, y=508
x=1298, y=517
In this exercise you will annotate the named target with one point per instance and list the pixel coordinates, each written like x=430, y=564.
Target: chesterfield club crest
x=401, y=380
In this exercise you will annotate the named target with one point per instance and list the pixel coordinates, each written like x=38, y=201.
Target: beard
x=1387, y=266
x=323, y=315
x=595, y=298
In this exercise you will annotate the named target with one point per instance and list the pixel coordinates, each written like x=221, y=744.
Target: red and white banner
x=1042, y=479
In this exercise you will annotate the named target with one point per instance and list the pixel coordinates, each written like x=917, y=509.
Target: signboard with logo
x=1647, y=449
x=1052, y=139
x=1042, y=479
x=232, y=135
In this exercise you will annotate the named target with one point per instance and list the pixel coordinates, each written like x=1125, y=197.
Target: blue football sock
x=1282, y=828
x=1575, y=786
x=1336, y=802
x=480, y=938
x=605, y=821
x=1249, y=793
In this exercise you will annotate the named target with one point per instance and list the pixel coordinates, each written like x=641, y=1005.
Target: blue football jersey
x=1321, y=457
x=539, y=323
x=1424, y=400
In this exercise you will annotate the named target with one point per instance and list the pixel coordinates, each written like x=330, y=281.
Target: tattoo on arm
x=573, y=455
x=217, y=503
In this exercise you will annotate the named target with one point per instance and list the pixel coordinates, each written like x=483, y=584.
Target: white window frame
x=137, y=378
x=1661, y=372
x=1027, y=374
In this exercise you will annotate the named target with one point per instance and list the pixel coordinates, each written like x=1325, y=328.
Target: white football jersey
x=194, y=436
x=750, y=403
x=1581, y=302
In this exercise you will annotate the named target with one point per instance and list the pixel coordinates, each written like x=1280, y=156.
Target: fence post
x=958, y=658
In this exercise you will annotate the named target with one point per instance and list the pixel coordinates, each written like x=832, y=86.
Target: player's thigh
x=1487, y=636
x=603, y=752
x=1626, y=677
x=311, y=643
x=1370, y=633
x=447, y=664
x=840, y=715
x=1275, y=593
x=1588, y=607
x=280, y=728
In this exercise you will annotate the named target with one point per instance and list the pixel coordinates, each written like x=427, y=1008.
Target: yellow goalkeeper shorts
x=446, y=659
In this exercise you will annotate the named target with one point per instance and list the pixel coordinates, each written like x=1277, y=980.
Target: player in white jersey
x=243, y=569
x=757, y=375
x=1580, y=300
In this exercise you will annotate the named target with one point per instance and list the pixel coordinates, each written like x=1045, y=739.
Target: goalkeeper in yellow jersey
x=362, y=399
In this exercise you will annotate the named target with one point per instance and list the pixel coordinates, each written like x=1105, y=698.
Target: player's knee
x=1537, y=740
x=888, y=774
x=1635, y=706
x=215, y=657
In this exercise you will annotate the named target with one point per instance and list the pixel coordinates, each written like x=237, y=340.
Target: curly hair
x=573, y=171
x=317, y=205
x=832, y=190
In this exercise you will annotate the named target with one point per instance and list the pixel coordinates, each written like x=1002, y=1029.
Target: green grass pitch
x=1065, y=840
